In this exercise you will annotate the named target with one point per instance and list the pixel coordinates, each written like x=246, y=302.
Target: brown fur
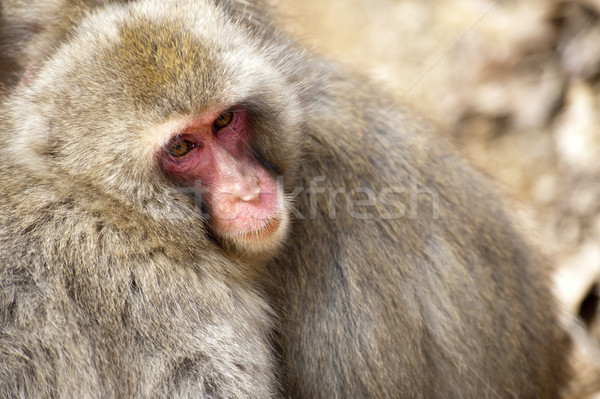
x=113, y=287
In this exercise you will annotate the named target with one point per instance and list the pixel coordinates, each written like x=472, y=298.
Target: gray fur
x=111, y=287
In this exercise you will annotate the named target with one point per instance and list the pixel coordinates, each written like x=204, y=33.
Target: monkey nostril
x=250, y=195
x=247, y=191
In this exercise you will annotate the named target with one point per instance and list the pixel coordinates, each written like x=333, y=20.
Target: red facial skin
x=240, y=194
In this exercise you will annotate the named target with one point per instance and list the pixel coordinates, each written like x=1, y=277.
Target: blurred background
x=516, y=86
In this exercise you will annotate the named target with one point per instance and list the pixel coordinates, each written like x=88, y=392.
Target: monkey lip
x=269, y=227
x=256, y=230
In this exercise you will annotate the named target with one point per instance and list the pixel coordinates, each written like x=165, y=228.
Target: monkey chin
x=261, y=242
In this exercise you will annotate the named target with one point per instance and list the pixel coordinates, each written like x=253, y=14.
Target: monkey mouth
x=248, y=221
x=251, y=226
x=263, y=237
x=259, y=232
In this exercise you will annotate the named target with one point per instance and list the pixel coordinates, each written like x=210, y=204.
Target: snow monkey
x=193, y=205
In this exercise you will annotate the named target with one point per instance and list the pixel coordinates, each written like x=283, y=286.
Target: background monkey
x=385, y=297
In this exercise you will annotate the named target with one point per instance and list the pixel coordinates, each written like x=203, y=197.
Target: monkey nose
x=248, y=191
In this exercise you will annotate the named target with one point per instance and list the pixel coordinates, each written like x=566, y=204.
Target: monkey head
x=177, y=108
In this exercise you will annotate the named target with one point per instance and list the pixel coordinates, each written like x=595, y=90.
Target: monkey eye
x=224, y=120
x=179, y=147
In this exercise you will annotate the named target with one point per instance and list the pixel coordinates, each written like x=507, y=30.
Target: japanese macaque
x=111, y=285
x=164, y=162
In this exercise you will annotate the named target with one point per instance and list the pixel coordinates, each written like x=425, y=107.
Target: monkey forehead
x=179, y=56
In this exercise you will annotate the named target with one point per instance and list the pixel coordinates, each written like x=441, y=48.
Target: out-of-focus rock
x=577, y=133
